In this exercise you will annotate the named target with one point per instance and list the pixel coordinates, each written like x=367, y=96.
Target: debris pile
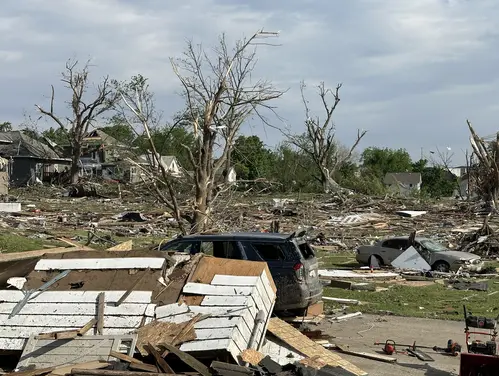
x=122, y=312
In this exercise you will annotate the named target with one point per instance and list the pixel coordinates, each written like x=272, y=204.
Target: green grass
x=18, y=243
x=436, y=300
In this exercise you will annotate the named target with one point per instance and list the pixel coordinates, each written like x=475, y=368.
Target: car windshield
x=432, y=246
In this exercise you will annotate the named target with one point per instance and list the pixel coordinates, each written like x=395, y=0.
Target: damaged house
x=404, y=183
x=30, y=160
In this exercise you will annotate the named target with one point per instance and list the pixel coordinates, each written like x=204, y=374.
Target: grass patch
x=433, y=301
x=338, y=260
x=18, y=243
x=436, y=300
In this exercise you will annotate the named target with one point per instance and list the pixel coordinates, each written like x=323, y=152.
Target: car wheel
x=378, y=259
x=441, y=266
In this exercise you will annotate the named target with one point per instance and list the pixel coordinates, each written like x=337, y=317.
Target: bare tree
x=220, y=96
x=85, y=108
x=319, y=142
x=137, y=108
x=484, y=173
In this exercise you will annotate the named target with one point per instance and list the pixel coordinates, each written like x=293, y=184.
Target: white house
x=169, y=162
x=403, y=182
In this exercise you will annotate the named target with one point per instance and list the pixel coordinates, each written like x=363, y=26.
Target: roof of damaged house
x=20, y=144
x=99, y=136
x=402, y=178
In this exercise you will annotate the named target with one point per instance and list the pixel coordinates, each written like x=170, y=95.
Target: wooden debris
x=341, y=300
x=314, y=362
x=134, y=363
x=100, y=313
x=34, y=372
x=307, y=347
x=105, y=372
x=159, y=332
x=133, y=287
x=123, y=247
x=88, y=365
x=315, y=309
x=87, y=327
x=17, y=256
x=252, y=357
x=348, y=316
x=159, y=360
x=373, y=356
x=189, y=360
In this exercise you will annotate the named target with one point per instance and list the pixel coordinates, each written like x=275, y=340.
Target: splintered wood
x=159, y=332
x=307, y=347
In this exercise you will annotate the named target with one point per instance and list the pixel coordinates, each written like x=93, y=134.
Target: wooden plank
x=73, y=322
x=208, y=267
x=105, y=372
x=163, y=365
x=224, y=311
x=261, y=282
x=189, y=360
x=234, y=280
x=205, y=289
x=75, y=296
x=225, y=300
x=89, y=325
x=208, y=345
x=101, y=263
x=134, y=363
x=75, y=309
x=12, y=343
x=100, y=313
x=171, y=310
x=11, y=333
x=35, y=372
x=307, y=347
x=133, y=287
x=39, y=253
x=372, y=356
x=214, y=333
x=178, y=319
x=122, y=247
x=61, y=371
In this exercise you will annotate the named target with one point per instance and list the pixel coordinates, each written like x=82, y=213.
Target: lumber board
x=261, y=283
x=205, y=289
x=17, y=256
x=61, y=371
x=307, y=347
x=74, y=322
x=235, y=300
x=171, y=310
x=14, y=296
x=76, y=309
x=101, y=263
x=372, y=356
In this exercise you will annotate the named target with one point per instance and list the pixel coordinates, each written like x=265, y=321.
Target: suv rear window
x=306, y=250
x=269, y=251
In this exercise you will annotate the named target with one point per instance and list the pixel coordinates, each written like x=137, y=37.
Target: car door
x=391, y=249
x=281, y=269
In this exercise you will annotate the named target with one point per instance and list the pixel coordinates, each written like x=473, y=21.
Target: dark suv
x=291, y=261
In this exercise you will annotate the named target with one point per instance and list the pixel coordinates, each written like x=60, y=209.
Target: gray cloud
x=413, y=71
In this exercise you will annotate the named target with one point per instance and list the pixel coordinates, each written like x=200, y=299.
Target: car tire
x=380, y=260
x=441, y=266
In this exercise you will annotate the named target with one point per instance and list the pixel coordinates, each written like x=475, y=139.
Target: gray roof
x=269, y=236
x=402, y=178
x=23, y=145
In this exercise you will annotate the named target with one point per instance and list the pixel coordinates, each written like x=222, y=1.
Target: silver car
x=436, y=255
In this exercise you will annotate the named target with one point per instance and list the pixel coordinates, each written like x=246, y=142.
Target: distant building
x=404, y=183
x=29, y=160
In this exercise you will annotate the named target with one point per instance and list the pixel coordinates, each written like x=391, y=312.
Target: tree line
x=221, y=93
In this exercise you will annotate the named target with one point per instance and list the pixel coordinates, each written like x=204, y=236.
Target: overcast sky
x=412, y=71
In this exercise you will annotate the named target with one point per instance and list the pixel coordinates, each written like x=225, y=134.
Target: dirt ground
x=361, y=334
